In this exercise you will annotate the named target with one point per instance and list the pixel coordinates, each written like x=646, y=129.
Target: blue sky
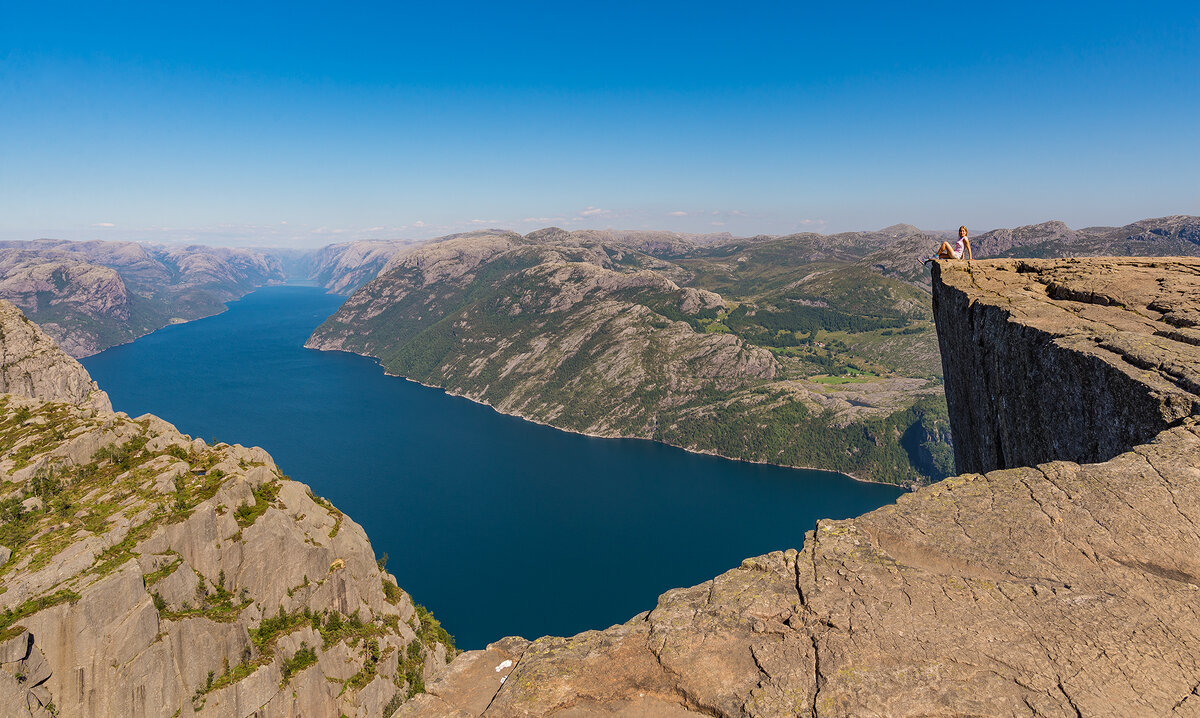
x=307, y=123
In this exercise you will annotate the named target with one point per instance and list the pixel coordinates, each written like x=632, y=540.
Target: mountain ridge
x=93, y=295
x=853, y=306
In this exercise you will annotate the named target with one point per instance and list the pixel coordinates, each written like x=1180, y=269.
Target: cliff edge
x=1076, y=359
x=33, y=366
x=1057, y=589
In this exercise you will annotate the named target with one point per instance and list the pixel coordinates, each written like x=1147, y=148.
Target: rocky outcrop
x=1062, y=589
x=149, y=574
x=32, y=365
x=89, y=296
x=1074, y=359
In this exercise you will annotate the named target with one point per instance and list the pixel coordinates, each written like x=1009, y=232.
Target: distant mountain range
x=89, y=296
x=804, y=350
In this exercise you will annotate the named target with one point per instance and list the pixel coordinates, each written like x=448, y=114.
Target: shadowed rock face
x=1064, y=589
x=1075, y=359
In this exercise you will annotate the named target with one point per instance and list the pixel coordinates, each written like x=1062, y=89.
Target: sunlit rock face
x=145, y=573
x=1075, y=359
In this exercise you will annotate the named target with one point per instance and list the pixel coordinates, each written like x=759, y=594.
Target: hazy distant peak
x=1053, y=226
x=548, y=234
x=901, y=229
x=478, y=233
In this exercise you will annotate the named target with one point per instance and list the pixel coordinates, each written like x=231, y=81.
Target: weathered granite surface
x=1061, y=589
x=32, y=365
x=147, y=574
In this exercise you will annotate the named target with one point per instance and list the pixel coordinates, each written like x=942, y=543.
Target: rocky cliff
x=144, y=573
x=341, y=268
x=1120, y=332
x=1062, y=589
x=33, y=366
x=89, y=296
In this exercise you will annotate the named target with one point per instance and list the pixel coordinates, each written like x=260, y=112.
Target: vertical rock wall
x=1050, y=359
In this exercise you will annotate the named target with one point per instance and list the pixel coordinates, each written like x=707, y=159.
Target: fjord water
x=498, y=525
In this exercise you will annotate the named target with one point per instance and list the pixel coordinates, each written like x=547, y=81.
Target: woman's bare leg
x=945, y=251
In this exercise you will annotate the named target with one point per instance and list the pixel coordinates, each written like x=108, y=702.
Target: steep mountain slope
x=93, y=295
x=342, y=268
x=1058, y=590
x=806, y=350
x=603, y=338
x=32, y=365
x=147, y=574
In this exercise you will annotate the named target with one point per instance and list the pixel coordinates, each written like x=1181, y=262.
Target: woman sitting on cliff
x=955, y=251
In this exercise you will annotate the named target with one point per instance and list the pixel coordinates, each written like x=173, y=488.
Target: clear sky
x=306, y=123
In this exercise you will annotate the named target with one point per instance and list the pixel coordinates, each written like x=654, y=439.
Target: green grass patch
x=835, y=380
x=264, y=496
x=9, y=618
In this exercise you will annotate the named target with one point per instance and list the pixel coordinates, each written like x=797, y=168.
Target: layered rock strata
x=1062, y=589
x=144, y=573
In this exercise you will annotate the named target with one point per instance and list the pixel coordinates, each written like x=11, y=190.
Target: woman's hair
x=962, y=229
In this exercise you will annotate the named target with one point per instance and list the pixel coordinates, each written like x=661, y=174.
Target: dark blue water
x=498, y=525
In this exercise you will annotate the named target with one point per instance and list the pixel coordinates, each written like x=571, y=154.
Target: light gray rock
x=33, y=366
x=201, y=646
x=100, y=647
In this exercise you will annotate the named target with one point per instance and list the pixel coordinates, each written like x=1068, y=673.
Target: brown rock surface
x=1024, y=342
x=1061, y=589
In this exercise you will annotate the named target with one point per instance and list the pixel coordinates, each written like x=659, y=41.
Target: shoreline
x=172, y=321
x=702, y=452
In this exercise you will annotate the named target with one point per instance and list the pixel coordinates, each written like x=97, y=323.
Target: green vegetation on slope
x=581, y=335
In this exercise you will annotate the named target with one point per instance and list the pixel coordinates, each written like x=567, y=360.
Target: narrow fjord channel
x=498, y=525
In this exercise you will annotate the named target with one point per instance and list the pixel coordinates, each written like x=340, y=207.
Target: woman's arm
x=970, y=254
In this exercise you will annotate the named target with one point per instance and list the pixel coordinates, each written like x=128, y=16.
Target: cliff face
x=342, y=268
x=1066, y=359
x=147, y=574
x=1064, y=589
